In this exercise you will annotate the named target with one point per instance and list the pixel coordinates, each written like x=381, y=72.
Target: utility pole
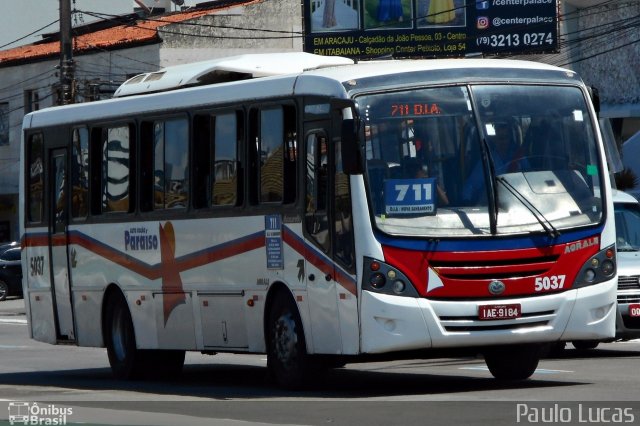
x=67, y=66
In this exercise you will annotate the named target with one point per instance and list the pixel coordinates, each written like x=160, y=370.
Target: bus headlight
x=599, y=268
x=589, y=275
x=608, y=267
x=380, y=277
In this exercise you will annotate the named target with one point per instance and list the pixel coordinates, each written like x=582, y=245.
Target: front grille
x=629, y=298
x=629, y=282
x=494, y=268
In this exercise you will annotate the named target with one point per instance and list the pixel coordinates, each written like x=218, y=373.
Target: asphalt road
x=74, y=385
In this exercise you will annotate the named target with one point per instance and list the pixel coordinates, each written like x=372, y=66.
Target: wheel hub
x=285, y=339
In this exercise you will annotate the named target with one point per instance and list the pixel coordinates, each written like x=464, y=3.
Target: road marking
x=12, y=321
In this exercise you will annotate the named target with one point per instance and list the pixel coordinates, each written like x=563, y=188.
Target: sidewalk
x=12, y=307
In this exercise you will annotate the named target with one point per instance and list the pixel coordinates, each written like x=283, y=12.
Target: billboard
x=366, y=29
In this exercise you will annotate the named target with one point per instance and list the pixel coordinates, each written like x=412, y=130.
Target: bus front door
x=58, y=243
x=320, y=277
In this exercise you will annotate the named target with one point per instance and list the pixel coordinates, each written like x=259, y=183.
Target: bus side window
x=95, y=171
x=275, y=157
x=116, y=169
x=35, y=182
x=271, y=154
x=202, y=128
x=317, y=182
x=170, y=164
x=344, y=240
x=80, y=173
x=224, y=159
x=290, y=155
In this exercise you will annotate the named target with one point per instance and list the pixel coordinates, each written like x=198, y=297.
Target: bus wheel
x=125, y=359
x=287, y=358
x=516, y=362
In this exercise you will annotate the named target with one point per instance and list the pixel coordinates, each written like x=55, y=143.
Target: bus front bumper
x=394, y=323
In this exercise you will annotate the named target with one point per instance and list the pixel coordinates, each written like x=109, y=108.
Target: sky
x=19, y=18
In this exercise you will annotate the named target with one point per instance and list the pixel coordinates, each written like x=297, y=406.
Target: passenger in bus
x=506, y=155
x=413, y=168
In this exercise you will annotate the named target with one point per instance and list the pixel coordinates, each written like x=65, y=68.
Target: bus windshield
x=481, y=160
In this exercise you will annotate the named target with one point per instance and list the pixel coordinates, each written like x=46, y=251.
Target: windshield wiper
x=544, y=222
x=493, y=194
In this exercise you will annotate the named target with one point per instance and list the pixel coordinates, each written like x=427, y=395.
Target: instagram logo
x=482, y=23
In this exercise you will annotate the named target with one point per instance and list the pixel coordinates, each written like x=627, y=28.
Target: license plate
x=634, y=310
x=499, y=312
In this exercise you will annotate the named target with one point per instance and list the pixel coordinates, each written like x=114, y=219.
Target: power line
x=198, y=24
x=601, y=53
x=30, y=34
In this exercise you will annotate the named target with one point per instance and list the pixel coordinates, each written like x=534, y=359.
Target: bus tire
x=514, y=362
x=125, y=359
x=287, y=359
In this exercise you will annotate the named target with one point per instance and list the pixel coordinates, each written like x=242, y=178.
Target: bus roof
x=382, y=67
x=233, y=68
x=312, y=75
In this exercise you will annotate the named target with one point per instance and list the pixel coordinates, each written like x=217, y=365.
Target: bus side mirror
x=349, y=148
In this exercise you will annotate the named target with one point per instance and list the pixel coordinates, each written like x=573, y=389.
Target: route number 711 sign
x=410, y=196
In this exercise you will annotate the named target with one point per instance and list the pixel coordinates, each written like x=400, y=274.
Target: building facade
x=106, y=55
x=602, y=44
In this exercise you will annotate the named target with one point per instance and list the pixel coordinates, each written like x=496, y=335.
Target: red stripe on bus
x=319, y=262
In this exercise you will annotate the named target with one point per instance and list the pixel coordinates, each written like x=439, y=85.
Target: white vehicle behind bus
x=627, y=211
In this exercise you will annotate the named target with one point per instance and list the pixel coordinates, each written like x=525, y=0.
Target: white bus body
x=155, y=251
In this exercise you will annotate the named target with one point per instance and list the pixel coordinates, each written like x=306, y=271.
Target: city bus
x=321, y=212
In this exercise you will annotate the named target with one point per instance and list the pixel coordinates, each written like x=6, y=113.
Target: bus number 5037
x=554, y=282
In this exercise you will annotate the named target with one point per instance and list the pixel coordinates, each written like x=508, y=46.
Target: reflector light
x=377, y=280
